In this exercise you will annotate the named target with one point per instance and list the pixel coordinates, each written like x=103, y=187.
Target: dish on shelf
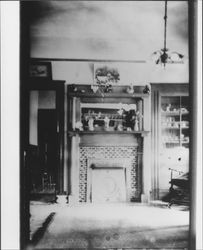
x=184, y=110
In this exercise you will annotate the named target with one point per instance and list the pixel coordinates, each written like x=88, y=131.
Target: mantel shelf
x=119, y=91
x=108, y=95
x=73, y=133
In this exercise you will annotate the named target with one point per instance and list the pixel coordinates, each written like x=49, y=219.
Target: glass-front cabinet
x=170, y=135
x=174, y=121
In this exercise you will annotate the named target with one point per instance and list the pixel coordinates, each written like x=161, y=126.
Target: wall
x=138, y=73
x=101, y=30
x=83, y=72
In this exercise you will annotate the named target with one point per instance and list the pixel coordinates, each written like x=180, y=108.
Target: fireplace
x=108, y=139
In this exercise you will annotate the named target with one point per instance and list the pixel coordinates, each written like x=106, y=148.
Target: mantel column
x=74, y=170
x=146, y=170
x=146, y=167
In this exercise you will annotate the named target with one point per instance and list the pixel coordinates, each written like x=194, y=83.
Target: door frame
x=59, y=87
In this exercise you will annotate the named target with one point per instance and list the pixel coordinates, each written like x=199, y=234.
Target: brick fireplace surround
x=123, y=156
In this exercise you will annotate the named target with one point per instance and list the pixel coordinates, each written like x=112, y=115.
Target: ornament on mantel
x=146, y=90
x=106, y=122
x=102, y=88
x=136, y=125
x=130, y=89
x=79, y=126
x=91, y=124
x=94, y=88
x=73, y=88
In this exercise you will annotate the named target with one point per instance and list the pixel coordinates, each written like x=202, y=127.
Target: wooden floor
x=114, y=226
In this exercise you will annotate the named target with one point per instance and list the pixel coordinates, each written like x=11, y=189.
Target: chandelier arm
x=165, y=25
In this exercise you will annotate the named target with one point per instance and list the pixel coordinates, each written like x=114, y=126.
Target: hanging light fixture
x=164, y=56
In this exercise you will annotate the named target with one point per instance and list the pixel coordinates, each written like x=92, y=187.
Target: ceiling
x=119, y=30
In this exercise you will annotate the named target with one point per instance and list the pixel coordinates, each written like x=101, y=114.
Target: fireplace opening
x=108, y=185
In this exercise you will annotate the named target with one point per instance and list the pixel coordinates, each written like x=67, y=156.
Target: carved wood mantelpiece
x=120, y=120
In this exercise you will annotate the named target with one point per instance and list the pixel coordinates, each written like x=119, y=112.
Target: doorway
x=46, y=135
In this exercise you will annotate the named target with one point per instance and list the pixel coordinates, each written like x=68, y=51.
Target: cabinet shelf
x=177, y=127
x=172, y=113
x=175, y=142
x=174, y=128
x=172, y=142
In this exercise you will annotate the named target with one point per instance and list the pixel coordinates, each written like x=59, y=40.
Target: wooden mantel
x=81, y=96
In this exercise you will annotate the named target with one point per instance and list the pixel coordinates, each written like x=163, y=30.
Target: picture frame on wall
x=105, y=74
x=42, y=70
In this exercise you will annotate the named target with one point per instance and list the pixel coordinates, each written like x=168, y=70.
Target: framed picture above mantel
x=106, y=74
x=42, y=70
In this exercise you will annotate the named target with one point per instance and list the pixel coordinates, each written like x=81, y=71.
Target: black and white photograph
x=108, y=126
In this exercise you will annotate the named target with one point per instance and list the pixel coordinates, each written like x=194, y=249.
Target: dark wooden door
x=48, y=145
